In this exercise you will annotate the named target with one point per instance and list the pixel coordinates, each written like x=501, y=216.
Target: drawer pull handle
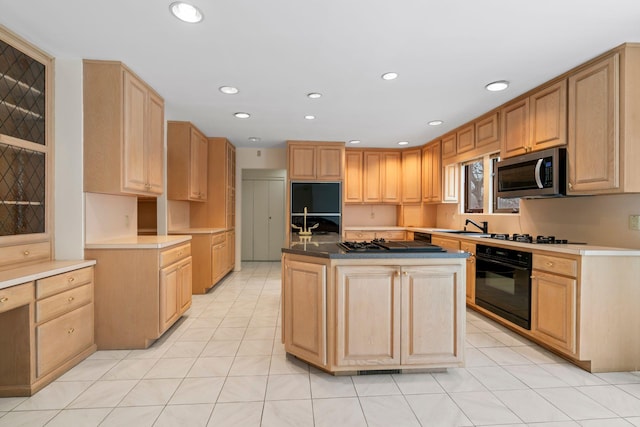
x=71, y=330
x=549, y=264
x=71, y=279
x=4, y=299
x=70, y=299
x=26, y=253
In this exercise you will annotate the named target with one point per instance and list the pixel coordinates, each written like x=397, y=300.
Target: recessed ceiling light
x=242, y=115
x=309, y=117
x=403, y=143
x=254, y=139
x=435, y=123
x=497, y=86
x=390, y=76
x=186, y=12
x=314, y=95
x=354, y=141
x=229, y=90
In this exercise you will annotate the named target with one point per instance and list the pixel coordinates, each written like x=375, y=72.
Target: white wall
x=68, y=196
x=253, y=158
x=110, y=217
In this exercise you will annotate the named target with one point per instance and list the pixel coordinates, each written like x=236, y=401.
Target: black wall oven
x=503, y=283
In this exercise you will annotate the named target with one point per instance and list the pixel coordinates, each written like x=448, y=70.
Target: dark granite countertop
x=331, y=250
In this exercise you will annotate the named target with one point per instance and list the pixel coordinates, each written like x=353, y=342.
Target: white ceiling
x=277, y=51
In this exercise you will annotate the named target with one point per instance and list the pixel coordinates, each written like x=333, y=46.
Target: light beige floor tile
x=458, y=380
x=151, y=392
x=506, y=356
x=632, y=389
x=417, y=383
x=612, y=422
x=538, y=355
x=572, y=375
x=575, y=404
x=530, y=407
x=634, y=421
x=235, y=322
x=250, y=347
x=375, y=385
x=482, y=407
x=614, y=399
x=130, y=369
x=496, y=378
x=262, y=333
x=619, y=377
x=79, y=417
x=250, y=365
x=109, y=354
x=345, y=412
x=171, y=368
x=228, y=334
x=197, y=334
x=282, y=364
x=243, y=389
x=8, y=403
x=104, y=394
x=483, y=339
x=535, y=377
x=511, y=340
x=474, y=357
x=437, y=410
x=246, y=414
x=88, y=370
x=211, y=367
x=288, y=387
x=27, y=418
x=184, y=415
x=197, y=390
x=387, y=411
x=56, y=395
x=220, y=348
x=287, y=413
x=138, y=416
x=190, y=349
x=326, y=386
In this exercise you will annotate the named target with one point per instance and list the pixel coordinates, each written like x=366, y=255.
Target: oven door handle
x=538, y=167
x=516, y=267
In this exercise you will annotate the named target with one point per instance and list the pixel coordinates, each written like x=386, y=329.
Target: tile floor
x=223, y=365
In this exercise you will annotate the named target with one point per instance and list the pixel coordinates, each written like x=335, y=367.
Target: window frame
x=466, y=168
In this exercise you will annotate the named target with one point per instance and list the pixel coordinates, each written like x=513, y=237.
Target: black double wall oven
x=503, y=283
x=322, y=202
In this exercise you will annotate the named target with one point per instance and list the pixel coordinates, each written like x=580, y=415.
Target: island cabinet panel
x=305, y=302
x=368, y=315
x=431, y=316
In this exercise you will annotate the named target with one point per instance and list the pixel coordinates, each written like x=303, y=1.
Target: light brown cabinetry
x=123, y=131
x=451, y=244
x=353, y=176
x=360, y=235
x=431, y=173
x=451, y=187
x=411, y=176
x=382, y=182
x=137, y=291
x=187, y=162
x=48, y=327
x=604, y=103
x=536, y=122
x=471, y=270
x=488, y=130
x=466, y=139
x=449, y=145
x=315, y=161
x=305, y=304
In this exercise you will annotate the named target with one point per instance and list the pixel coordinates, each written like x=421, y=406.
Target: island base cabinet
x=304, y=296
x=432, y=316
x=368, y=315
x=175, y=292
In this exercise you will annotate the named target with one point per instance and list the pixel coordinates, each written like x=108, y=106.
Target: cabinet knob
x=4, y=299
x=570, y=186
x=549, y=264
x=70, y=299
x=71, y=279
x=404, y=273
x=533, y=277
x=26, y=253
x=71, y=330
x=397, y=273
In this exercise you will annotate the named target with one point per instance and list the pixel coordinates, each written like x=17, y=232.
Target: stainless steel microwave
x=538, y=174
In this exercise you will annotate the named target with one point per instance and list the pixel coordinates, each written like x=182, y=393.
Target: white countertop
x=139, y=242
x=582, y=250
x=17, y=276
x=198, y=230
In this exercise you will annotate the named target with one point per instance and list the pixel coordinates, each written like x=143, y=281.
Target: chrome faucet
x=484, y=227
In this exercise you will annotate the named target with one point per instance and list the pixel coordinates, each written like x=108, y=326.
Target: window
x=500, y=204
x=474, y=187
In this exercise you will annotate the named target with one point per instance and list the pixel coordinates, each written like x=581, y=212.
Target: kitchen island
x=346, y=312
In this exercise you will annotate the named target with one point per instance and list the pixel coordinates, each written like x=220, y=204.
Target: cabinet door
x=451, y=182
x=353, y=177
x=471, y=271
x=169, y=304
x=198, y=170
x=154, y=144
x=231, y=250
x=431, y=173
x=449, y=146
x=390, y=177
x=411, y=176
x=450, y=244
x=487, y=130
x=593, y=143
x=548, y=109
x=553, y=310
x=367, y=315
x=219, y=261
x=466, y=139
x=135, y=119
x=372, y=171
x=305, y=300
x=302, y=162
x=432, y=315
x=515, y=129
x=184, y=284
x=329, y=165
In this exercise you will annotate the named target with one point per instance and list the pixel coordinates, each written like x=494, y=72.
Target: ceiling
x=277, y=51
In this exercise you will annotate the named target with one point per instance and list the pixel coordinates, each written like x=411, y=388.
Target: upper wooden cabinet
x=449, y=148
x=123, y=132
x=382, y=177
x=488, y=130
x=466, y=139
x=187, y=162
x=411, y=176
x=315, y=161
x=353, y=176
x=473, y=139
x=536, y=122
x=431, y=173
x=604, y=106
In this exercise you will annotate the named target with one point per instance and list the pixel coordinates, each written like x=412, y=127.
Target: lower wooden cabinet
x=471, y=271
x=361, y=235
x=175, y=292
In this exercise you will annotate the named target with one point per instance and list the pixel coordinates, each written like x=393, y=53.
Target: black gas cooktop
x=527, y=238
x=381, y=245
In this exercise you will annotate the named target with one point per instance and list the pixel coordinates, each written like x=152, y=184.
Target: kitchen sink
x=468, y=233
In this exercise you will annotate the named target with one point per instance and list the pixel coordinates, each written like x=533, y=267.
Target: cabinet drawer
x=56, y=305
x=218, y=238
x=446, y=243
x=60, y=339
x=359, y=235
x=26, y=253
x=564, y=266
x=390, y=235
x=15, y=296
x=62, y=282
x=174, y=254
